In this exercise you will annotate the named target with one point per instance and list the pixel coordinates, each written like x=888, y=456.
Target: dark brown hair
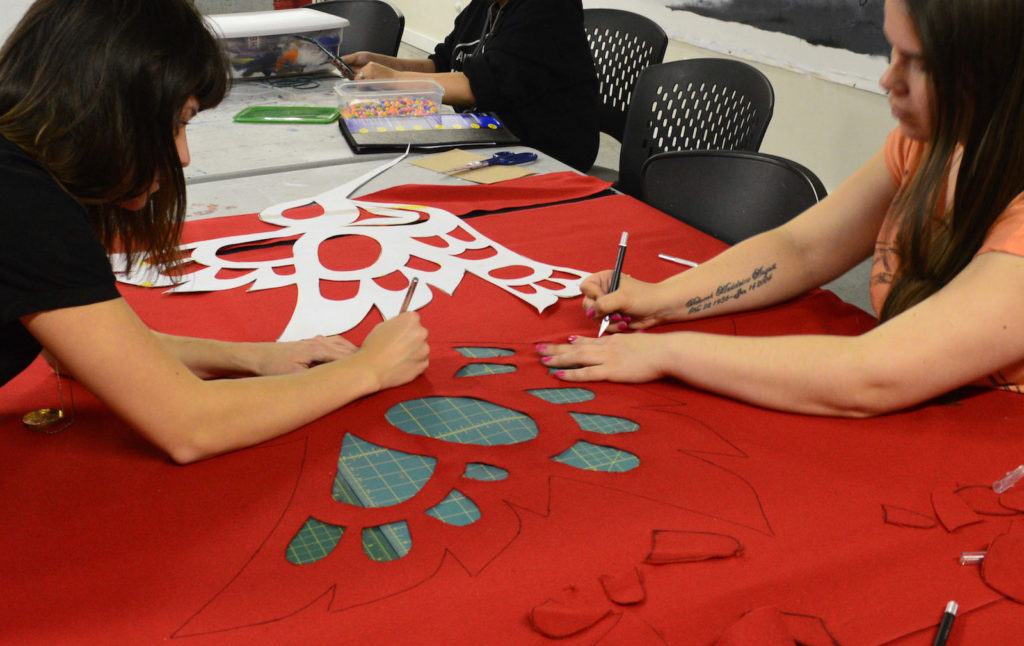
x=93, y=90
x=974, y=53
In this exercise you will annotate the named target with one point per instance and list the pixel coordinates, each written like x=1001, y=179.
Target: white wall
x=830, y=127
x=10, y=13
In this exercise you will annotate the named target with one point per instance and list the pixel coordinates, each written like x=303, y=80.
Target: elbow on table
x=864, y=396
x=186, y=447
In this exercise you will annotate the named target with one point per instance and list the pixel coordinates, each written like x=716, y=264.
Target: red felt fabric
x=760, y=627
x=514, y=193
x=907, y=517
x=685, y=547
x=984, y=501
x=554, y=619
x=624, y=588
x=1013, y=499
x=105, y=541
x=952, y=510
x=1003, y=567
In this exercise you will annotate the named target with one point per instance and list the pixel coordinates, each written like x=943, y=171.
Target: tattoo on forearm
x=732, y=290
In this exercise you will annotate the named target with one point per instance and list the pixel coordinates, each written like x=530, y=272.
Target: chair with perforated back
x=374, y=25
x=693, y=104
x=729, y=194
x=622, y=43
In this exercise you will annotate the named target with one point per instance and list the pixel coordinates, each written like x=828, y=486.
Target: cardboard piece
x=455, y=158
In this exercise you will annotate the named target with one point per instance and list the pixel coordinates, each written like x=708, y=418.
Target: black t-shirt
x=50, y=258
x=534, y=69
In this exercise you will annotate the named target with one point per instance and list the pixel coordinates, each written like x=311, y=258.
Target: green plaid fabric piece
x=592, y=457
x=314, y=541
x=483, y=353
x=484, y=369
x=562, y=395
x=462, y=420
x=605, y=424
x=456, y=509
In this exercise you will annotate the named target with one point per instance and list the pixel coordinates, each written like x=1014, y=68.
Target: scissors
x=503, y=158
x=335, y=60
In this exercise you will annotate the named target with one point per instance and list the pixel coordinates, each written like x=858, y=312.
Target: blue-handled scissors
x=503, y=158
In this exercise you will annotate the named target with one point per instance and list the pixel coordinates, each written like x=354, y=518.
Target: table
x=728, y=509
x=231, y=195
x=223, y=149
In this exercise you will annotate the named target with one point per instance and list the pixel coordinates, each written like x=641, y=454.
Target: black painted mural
x=854, y=25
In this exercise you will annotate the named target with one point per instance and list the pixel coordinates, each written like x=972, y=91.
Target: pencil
x=408, y=294
x=616, y=274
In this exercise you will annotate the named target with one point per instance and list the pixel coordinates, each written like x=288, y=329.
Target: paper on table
x=443, y=162
x=401, y=232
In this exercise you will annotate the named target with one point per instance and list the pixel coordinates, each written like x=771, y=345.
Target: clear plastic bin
x=389, y=98
x=262, y=44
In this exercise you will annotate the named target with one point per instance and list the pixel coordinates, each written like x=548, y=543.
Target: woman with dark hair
x=941, y=206
x=92, y=145
x=528, y=61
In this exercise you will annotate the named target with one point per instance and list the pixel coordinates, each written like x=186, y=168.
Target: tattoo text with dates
x=731, y=290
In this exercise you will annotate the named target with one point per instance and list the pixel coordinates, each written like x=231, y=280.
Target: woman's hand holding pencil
x=635, y=305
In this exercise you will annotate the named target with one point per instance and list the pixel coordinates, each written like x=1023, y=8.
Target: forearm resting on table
x=758, y=272
x=209, y=358
x=809, y=374
x=222, y=416
x=128, y=367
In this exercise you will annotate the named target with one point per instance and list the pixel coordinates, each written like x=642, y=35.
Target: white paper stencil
x=400, y=230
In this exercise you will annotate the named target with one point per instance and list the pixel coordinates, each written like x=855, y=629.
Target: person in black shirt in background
x=528, y=61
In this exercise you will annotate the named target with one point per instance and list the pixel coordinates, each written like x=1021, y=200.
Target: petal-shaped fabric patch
x=387, y=542
x=314, y=541
x=484, y=369
x=1003, y=567
x=952, y=511
x=562, y=395
x=671, y=546
x=594, y=457
x=462, y=420
x=907, y=518
x=484, y=472
x=625, y=588
x=554, y=619
x=983, y=500
x=605, y=424
x=375, y=476
x=474, y=352
x=760, y=627
x=456, y=509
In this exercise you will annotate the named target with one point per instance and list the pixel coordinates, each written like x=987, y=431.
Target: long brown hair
x=974, y=53
x=93, y=90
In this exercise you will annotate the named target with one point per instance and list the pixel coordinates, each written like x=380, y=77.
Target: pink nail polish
x=545, y=359
x=623, y=326
x=560, y=373
x=590, y=312
x=541, y=347
x=572, y=337
x=615, y=318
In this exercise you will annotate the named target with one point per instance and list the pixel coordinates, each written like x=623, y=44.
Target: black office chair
x=622, y=43
x=374, y=25
x=693, y=104
x=729, y=194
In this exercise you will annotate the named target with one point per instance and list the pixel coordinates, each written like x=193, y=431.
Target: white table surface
x=220, y=148
x=235, y=195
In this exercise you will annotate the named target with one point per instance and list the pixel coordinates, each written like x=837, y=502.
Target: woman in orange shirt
x=940, y=206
